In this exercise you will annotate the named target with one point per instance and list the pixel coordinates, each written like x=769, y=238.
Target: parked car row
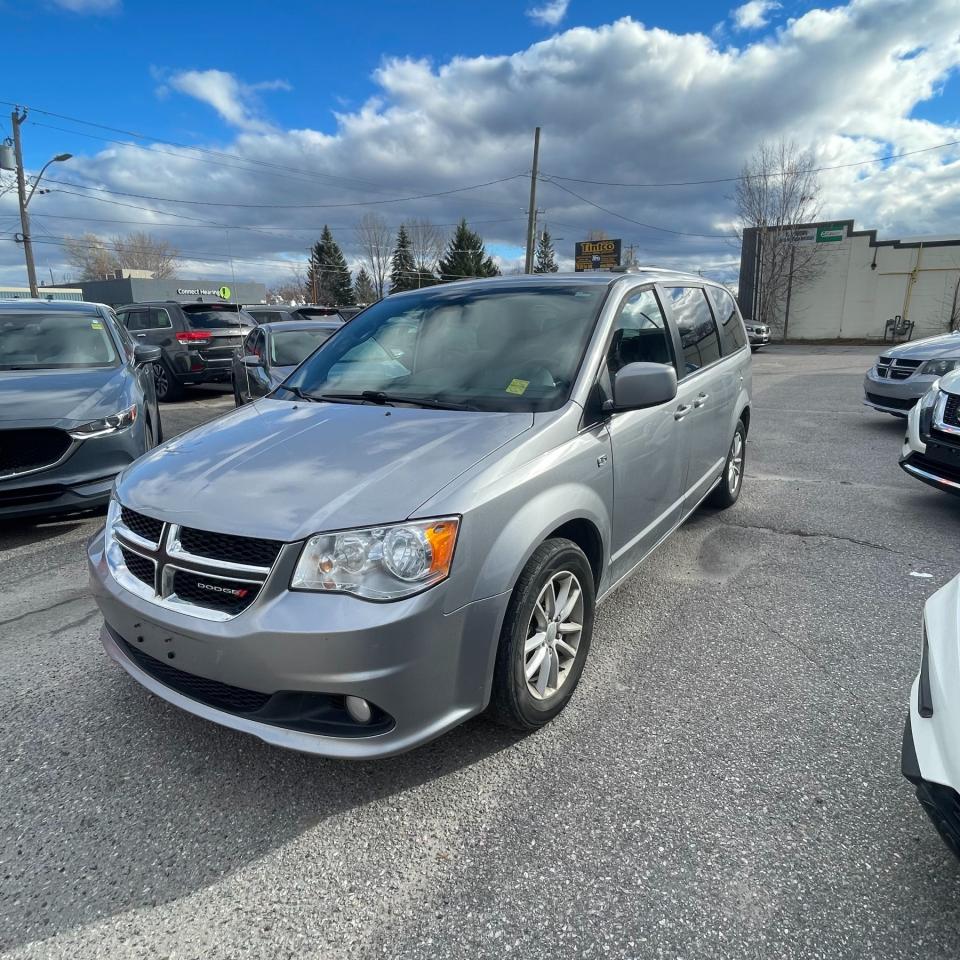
x=921, y=382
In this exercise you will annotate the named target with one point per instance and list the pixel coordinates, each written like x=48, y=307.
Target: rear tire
x=168, y=388
x=727, y=492
x=545, y=637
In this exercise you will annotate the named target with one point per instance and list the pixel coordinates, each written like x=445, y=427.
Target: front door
x=649, y=461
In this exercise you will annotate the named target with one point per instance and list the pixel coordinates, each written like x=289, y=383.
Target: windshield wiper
x=391, y=399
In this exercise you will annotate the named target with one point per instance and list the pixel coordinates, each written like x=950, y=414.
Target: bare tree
x=427, y=242
x=142, y=251
x=778, y=189
x=90, y=257
x=293, y=290
x=374, y=236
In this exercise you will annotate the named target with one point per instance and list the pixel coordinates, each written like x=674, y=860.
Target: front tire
x=545, y=637
x=728, y=490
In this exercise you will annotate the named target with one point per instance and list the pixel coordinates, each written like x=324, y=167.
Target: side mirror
x=146, y=353
x=251, y=360
x=639, y=385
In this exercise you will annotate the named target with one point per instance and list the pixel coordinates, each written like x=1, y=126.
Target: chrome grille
x=897, y=368
x=154, y=563
x=951, y=410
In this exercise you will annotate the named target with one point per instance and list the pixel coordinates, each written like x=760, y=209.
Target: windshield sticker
x=519, y=387
x=96, y=325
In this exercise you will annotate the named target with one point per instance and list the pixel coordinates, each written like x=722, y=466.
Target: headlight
x=105, y=425
x=938, y=368
x=925, y=407
x=379, y=563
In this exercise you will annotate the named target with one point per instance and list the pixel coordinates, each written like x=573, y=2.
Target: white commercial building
x=859, y=283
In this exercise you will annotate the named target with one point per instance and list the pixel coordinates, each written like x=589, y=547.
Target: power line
x=640, y=223
x=753, y=176
x=290, y=206
x=184, y=146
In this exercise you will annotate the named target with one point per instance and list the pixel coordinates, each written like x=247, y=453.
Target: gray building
x=46, y=293
x=124, y=290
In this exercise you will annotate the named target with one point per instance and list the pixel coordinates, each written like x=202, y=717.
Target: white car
x=758, y=334
x=931, y=740
x=931, y=447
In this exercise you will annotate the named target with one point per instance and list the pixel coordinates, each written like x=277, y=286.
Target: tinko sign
x=597, y=255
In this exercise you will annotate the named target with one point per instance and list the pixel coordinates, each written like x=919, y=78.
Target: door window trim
x=676, y=330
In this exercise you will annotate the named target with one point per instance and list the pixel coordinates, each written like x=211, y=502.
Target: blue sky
x=111, y=56
x=307, y=99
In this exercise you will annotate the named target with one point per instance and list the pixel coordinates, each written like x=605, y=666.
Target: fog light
x=359, y=709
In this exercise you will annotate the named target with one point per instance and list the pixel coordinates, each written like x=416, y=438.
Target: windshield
x=291, y=347
x=500, y=347
x=42, y=341
x=216, y=316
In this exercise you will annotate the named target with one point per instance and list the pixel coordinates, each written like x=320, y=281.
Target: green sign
x=832, y=233
x=224, y=293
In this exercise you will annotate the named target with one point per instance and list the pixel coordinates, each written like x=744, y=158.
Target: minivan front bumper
x=894, y=396
x=423, y=669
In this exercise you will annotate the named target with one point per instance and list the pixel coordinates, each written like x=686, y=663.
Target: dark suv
x=197, y=340
x=278, y=312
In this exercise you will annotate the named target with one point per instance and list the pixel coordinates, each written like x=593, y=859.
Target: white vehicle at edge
x=931, y=447
x=931, y=740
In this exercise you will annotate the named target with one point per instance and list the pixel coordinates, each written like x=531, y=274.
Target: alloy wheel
x=553, y=635
x=161, y=383
x=735, y=465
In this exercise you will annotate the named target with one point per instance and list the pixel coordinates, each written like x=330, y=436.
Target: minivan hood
x=946, y=345
x=60, y=397
x=284, y=471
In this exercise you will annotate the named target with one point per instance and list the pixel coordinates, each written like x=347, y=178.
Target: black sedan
x=272, y=351
x=77, y=405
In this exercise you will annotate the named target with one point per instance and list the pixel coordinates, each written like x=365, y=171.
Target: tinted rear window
x=315, y=313
x=215, y=316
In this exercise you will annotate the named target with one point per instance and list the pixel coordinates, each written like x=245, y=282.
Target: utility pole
x=16, y=118
x=532, y=212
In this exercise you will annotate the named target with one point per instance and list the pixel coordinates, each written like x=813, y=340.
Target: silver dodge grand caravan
x=418, y=523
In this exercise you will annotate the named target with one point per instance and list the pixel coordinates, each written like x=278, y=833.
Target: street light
x=16, y=119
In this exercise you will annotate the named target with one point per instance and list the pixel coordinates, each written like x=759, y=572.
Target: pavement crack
x=47, y=609
x=813, y=535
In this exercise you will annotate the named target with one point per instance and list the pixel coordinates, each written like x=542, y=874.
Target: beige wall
x=849, y=300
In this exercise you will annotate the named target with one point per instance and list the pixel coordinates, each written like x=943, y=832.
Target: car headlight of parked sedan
x=378, y=563
x=106, y=425
x=939, y=368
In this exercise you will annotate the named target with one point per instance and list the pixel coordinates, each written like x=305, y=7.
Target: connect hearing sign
x=223, y=293
x=597, y=255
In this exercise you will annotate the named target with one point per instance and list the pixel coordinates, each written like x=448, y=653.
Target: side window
x=698, y=332
x=135, y=319
x=253, y=345
x=639, y=333
x=732, y=334
x=125, y=338
x=159, y=318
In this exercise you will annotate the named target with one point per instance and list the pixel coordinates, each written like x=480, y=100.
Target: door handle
x=701, y=400
x=682, y=411
x=139, y=336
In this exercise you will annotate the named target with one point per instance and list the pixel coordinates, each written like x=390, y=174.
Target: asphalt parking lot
x=725, y=782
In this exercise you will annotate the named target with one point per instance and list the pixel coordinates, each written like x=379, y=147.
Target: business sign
x=801, y=235
x=223, y=293
x=597, y=255
x=832, y=233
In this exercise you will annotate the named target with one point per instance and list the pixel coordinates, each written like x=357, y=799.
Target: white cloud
x=231, y=98
x=622, y=102
x=550, y=13
x=754, y=14
x=88, y=6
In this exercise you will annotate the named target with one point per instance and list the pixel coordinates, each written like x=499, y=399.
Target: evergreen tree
x=363, y=289
x=466, y=256
x=402, y=268
x=546, y=261
x=328, y=278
